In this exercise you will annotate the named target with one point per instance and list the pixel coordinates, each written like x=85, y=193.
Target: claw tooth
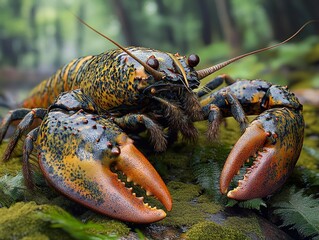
x=130, y=189
x=148, y=193
x=240, y=182
x=141, y=198
x=128, y=179
x=246, y=177
x=238, y=172
x=134, y=194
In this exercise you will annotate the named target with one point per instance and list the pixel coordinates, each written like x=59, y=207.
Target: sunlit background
x=39, y=36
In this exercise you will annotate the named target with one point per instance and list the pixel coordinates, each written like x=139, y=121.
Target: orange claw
x=76, y=153
x=276, y=136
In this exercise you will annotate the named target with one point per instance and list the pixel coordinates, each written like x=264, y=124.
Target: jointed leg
x=223, y=103
x=237, y=111
x=27, y=150
x=25, y=123
x=136, y=121
x=214, y=120
x=11, y=116
x=215, y=83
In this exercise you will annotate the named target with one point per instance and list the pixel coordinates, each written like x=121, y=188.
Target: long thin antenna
x=156, y=74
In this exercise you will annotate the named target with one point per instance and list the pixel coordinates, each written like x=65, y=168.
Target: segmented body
x=89, y=104
x=112, y=80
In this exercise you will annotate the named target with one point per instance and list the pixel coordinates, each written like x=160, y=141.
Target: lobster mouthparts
x=274, y=140
x=76, y=154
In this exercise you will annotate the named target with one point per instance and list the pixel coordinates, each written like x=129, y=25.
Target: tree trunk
x=125, y=21
x=228, y=26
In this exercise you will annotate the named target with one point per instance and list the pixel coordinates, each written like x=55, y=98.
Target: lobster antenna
x=208, y=71
x=156, y=74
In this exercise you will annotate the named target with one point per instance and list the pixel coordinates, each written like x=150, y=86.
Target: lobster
x=90, y=105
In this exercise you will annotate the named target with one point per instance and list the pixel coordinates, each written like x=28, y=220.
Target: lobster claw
x=274, y=139
x=77, y=154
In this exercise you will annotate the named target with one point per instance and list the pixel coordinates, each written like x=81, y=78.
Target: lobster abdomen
x=65, y=79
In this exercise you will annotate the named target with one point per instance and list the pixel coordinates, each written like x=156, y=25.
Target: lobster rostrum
x=88, y=107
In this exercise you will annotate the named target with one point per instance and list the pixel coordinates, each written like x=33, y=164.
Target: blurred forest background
x=39, y=36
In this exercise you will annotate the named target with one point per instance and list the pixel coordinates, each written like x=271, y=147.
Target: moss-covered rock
x=209, y=230
x=109, y=226
x=22, y=221
x=247, y=225
x=33, y=221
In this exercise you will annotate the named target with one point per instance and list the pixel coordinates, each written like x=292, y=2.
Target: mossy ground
x=21, y=221
x=191, y=172
x=209, y=230
x=309, y=157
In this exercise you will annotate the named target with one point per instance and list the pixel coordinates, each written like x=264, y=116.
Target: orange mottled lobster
x=87, y=106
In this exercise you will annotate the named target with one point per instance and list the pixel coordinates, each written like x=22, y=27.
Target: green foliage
x=207, y=175
x=11, y=189
x=294, y=54
x=207, y=164
x=254, y=204
x=140, y=234
x=298, y=211
x=77, y=229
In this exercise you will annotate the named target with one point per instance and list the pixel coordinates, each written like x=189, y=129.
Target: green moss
x=189, y=205
x=36, y=236
x=110, y=227
x=22, y=220
x=183, y=192
x=310, y=141
x=32, y=221
x=210, y=230
x=247, y=225
x=12, y=166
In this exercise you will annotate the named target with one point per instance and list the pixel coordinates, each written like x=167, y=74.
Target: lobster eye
x=193, y=60
x=152, y=62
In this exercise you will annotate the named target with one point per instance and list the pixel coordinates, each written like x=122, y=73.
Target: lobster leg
x=135, y=121
x=215, y=83
x=237, y=111
x=274, y=139
x=216, y=111
x=78, y=154
x=22, y=127
x=13, y=115
x=27, y=150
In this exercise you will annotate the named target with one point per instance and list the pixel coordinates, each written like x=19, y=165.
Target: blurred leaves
x=45, y=34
